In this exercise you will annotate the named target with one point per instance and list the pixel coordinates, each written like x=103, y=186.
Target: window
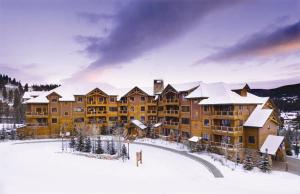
x=113, y=109
x=160, y=108
x=78, y=120
x=132, y=108
x=185, y=109
x=205, y=137
x=54, y=120
x=54, y=100
x=142, y=118
x=142, y=108
x=79, y=99
x=54, y=110
x=240, y=107
x=251, y=139
x=113, y=118
x=101, y=99
x=185, y=121
x=142, y=98
x=38, y=110
x=131, y=118
x=112, y=99
x=241, y=139
x=66, y=113
x=206, y=122
x=131, y=99
x=206, y=108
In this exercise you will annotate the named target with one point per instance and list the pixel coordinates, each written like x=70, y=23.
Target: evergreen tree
x=248, y=162
x=112, y=149
x=26, y=87
x=4, y=93
x=72, y=142
x=124, y=152
x=107, y=147
x=87, y=145
x=10, y=95
x=80, y=143
x=264, y=164
x=99, y=149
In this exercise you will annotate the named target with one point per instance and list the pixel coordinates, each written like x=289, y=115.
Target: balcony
x=227, y=113
x=172, y=112
x=171, y=101
x=171, y=123
x=152, y=112
x=227, y=130
x=123, y=102
x=37, y=114
x=37, y=124
x=153, y=102
x=97, y=122
x=96, y=103
x=123, y=111
x=96, y=113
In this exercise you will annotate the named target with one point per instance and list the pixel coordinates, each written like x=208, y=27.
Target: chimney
x=158, y=86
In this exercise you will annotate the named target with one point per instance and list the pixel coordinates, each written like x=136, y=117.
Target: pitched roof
x=258, y=117
x=271, y=144
x=221, y=93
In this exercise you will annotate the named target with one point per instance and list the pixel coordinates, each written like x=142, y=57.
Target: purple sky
x=127, y=43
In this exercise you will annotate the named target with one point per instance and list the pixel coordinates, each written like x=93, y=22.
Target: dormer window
x=54, y=100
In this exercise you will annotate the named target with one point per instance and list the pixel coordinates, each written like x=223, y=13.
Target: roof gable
x=96, y=91
x=136, y=91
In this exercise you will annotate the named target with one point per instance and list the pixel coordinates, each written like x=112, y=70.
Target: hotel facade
x=219, y=113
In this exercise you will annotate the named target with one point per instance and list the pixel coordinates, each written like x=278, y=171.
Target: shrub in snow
x=87, y=145
x=112, y=148
x=248, y=162
x=99, y=149
x=107, y=147
x=72, y=142
x=264, y=164
x=124, y=152
x=80, y=144
x=296, y=150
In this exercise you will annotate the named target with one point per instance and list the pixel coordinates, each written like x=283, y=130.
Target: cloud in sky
x=283, y=40
x=94, y=17
x=20, y=74
x=144, y=25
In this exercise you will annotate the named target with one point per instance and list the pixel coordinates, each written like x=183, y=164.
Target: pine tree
x=72, y=142
x=264, y=164
x=112, y=149
x=4, y=93
x=124, y=152
x=10, y=95
x=107, y=147
x=80, y=144
x=248, y=162
x=87, y=145
x=99, y=149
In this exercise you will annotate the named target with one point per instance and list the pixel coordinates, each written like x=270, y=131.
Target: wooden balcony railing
x=171, y=100
x=172, y=123
x=172, y=112
x=227, y=113
x=37, y=113
x=151, y=102
x=227, y=129
x=151, y=111
x=37, y=124
x=96, y=102
x=123, y=111
x=96, y=112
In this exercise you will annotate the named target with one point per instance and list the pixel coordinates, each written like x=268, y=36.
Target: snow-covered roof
x=186, y=86
x=221, y=93
x=139, y=124
x=32, y=94
x=195, y=139
x=271, y=144
x=157, y=125
x=258, y=117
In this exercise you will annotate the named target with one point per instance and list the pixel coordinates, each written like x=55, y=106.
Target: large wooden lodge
x=217, y=112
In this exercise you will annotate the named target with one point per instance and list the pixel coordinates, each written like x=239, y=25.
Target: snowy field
x=39, y=168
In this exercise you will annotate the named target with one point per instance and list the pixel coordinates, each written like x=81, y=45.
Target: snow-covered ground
x=39, y=168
